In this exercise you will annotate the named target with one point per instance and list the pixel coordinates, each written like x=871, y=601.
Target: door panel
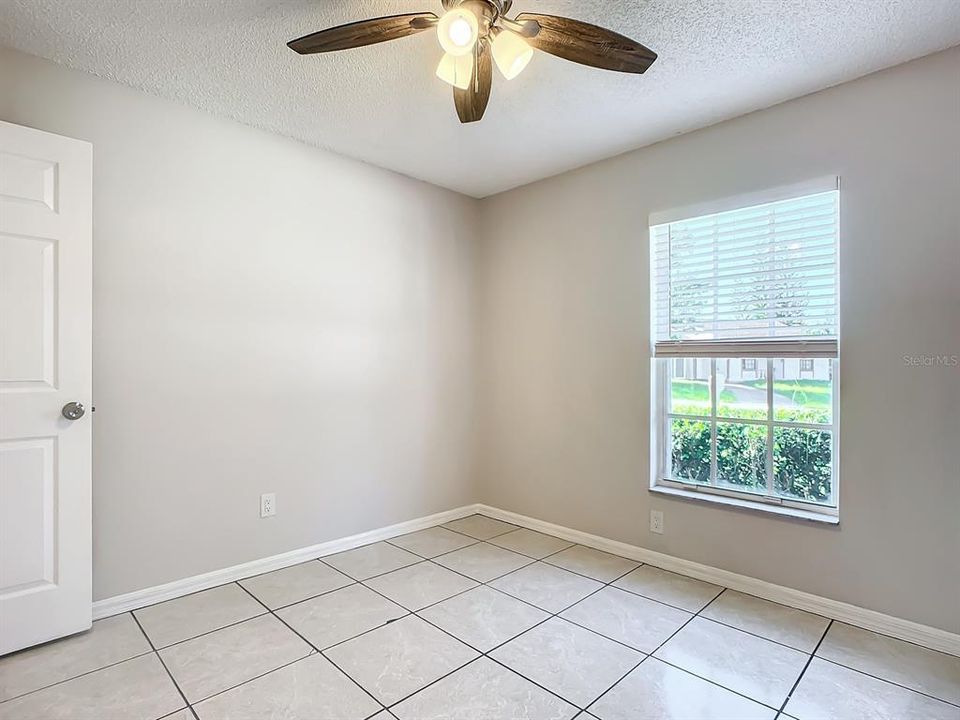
x=45, y=362
x=29, y=179
x=27, y=491
x=27, y=313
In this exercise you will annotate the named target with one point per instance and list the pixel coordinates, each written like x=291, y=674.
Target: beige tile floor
x=476, y=620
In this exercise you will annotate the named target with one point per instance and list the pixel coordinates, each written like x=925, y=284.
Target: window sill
x=740, y=504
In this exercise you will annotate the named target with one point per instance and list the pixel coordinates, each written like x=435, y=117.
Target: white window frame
x=661, y=424
x=660, y=482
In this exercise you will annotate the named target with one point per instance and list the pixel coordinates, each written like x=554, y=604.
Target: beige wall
x=564, y=341
x=268, y=318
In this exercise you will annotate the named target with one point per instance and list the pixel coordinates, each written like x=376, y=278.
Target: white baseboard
x=924, y=635
x=930, y=637
x=178, y=588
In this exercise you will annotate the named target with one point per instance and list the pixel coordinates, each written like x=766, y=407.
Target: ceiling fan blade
x=364, y=32
x=526, y=30
x=588, y=44
x=472, y=102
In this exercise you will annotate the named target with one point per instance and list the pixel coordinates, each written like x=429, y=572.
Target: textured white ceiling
x=382, y=104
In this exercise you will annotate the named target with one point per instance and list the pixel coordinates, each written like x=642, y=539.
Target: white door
x=45, y=363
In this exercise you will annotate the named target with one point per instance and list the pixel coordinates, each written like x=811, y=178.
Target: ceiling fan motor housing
x=486, y=11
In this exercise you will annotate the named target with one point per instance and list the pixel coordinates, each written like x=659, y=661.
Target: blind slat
x=763, y=274
x=756, y=252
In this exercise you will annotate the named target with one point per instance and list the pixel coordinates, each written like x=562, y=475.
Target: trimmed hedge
x=801, y=457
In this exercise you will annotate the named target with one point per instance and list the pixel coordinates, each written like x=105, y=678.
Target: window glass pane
x=690, y=450
x=803, y=390
x=742, y=388
x=801, y=464
x=742, y=456
x=690, y=386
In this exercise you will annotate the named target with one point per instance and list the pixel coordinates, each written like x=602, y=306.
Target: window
x=746, y=349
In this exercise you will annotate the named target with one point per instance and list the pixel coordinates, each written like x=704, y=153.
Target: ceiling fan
x=471, y=31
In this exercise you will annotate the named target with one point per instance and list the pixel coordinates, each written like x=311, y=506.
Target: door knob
x=72, y=411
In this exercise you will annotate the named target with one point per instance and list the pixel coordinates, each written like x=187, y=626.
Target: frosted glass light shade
x=512, y=53
x=457, y=70
x=458, y=31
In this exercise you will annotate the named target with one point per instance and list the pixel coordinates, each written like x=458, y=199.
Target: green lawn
x=696, y=391
x=808, y=393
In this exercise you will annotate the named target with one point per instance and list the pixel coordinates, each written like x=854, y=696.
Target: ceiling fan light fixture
x=456, y=70
x=475, y=34
x=511, y=53
x=458, y=31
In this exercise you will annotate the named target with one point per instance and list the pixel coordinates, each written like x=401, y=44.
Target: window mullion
x=770, y=427
x=834, y=431
x=713, y=421
x=666, y=402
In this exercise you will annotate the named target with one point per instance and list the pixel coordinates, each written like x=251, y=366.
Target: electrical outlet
x=656, y=522
x=268, y=505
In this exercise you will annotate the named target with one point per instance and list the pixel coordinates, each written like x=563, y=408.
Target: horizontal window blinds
x=759, y=281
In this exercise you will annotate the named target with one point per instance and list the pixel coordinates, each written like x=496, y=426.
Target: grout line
x=761, y=637
x=885, y=680
x=460, y=532
x=534, y=557
x=803, y=672
x=431, y=557
x=473, y=541
x=256, y=677
x=513, y=526
x=188, y=708
x=74, y=677
x=689, y=672
x=480, y=655
x=789, y=607
x=270, y=572
x=508, y=572
x=425, y=562
x=534, y=682
x=713, y=682
x=291, y=629
x=650, y=654
x=668, y=639
x=407, y=613
x=312, y=597
x=434, y=682
x=349, y=677
x=387, y=572
x=487, y=654
x=169, y=600
x=557, y=615
x=663, y=602
x=748, y=632
x=200, y=635
x=166, y=669
x=589, y=577
x=484, y=582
